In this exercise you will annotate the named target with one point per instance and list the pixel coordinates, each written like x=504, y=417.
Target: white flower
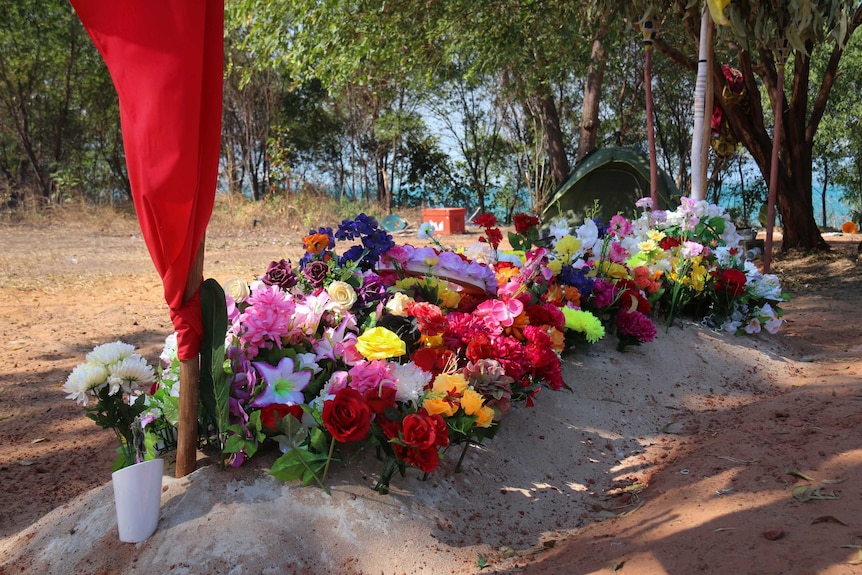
x=588, y=233
x=773, y=325
x=342, y=294
x=130, y=373
x=397, y=304
x=237, y=289
x=169, y=353
x=411, y=382
x=753, y=326
x=766, y=286
x=85, y=377
x=109, y=353
x=559, y=228
x=481, y=252
x=426, y=231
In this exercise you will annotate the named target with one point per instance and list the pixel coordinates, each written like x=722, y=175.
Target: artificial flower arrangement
x=400, y=349
x=670, y=263
x=112, y=384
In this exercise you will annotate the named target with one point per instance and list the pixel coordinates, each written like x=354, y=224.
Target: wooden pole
x=190, y=370
x=773, y=168
x=649, y=34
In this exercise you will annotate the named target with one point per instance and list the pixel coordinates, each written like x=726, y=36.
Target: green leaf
x=215, y=385
x=298, y=464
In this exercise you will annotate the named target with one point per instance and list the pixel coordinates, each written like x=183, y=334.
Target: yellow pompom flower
x=584, y=322
x=380, y=343
x=485, y=417
x=555, y=266
x=471, y=401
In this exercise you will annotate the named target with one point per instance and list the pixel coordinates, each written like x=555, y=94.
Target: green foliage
x=214, y=381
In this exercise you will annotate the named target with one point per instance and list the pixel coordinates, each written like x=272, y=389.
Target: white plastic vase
x=138, y=495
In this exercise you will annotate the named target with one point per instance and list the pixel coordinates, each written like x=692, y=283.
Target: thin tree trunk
x=589, y=127
x=559, y=163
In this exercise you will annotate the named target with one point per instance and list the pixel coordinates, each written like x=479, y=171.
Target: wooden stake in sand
x=190, y=371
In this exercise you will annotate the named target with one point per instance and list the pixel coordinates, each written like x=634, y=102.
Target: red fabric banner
x=166, y=59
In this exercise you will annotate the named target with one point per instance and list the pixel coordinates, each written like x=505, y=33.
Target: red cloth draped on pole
x=166, y=59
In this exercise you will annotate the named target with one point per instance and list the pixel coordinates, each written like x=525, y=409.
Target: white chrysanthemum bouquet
x=112, y=385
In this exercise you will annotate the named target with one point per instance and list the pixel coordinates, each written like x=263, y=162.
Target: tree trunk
x=794, y=200
x=556, y=151
x=589, y=126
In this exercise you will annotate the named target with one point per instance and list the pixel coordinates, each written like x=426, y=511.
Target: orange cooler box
x=446, y=221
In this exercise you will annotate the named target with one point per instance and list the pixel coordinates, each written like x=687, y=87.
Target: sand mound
x=548, y=471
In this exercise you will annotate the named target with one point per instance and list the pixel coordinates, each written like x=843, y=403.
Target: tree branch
x=829, y=77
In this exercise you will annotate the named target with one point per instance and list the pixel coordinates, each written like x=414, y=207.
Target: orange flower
x=573, y=295
x=849, y=228
x=316, y=243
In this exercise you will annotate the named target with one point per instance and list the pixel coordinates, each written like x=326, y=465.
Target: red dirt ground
x=720, y=497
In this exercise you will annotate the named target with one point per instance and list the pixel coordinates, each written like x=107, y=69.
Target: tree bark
x=589, y=126
x=556, y=151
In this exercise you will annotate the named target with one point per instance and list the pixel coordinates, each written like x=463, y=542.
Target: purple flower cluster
x=374, y=241
x=577, y=278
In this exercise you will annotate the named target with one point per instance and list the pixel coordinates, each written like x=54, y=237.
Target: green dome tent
x=616, y=178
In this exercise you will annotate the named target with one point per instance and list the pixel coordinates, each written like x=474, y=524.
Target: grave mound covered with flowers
x=416, y=352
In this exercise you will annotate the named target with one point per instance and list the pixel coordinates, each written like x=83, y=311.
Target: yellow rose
x=471, y=401
x=485, y=417
x=341, y=293
x=436, y=403
x=448, y=298
x=380, y=343
x=446, y=382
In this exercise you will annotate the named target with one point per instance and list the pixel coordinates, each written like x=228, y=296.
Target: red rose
x=426, y=460
x=418, y=431
x=485, y=220
x=731, y=281
x=275, y=412
x=524, y=223
x=380, y=398
x=347, y=416
x=441, y=431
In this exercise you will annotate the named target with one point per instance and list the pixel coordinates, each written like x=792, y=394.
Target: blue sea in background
x=837, y=212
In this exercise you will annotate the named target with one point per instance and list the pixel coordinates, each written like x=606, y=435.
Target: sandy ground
x=670, y=458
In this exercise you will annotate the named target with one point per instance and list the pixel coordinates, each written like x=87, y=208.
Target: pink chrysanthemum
x=266, y=319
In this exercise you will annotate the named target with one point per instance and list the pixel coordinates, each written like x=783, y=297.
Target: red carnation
x=430, y=318
x=668, y=242
x=379, y=398
x=524, y=223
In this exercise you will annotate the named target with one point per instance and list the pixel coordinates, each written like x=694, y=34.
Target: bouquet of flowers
x=111, y=384
x=399, y=349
